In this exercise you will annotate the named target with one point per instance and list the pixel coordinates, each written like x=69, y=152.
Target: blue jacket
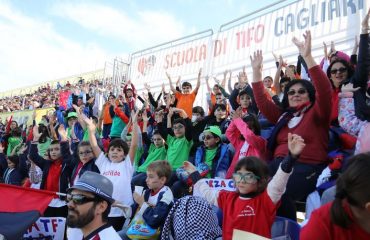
x=13, y=176
x=221, y=162
x=155, y=216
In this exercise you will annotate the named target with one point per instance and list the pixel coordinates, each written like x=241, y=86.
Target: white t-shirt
x=120, y=174
x=107, y=233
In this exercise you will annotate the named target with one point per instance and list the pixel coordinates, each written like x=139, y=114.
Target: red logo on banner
x=146, y=64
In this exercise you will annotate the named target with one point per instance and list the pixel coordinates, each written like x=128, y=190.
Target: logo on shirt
x=112, y=173
x=247, y=212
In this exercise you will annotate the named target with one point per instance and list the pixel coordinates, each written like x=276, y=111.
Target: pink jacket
x=257, y=145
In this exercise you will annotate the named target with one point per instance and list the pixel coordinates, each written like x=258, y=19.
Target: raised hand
x=147, y=87
x=365, y=23
x=257, y=60
x=62, y=132
x=304, y=47
x=189, y=167
x=295, y=144
x=36, y=134
x=89, y=123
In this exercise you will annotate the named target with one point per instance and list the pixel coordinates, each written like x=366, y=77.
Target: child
x=243, y=134
x=117, y=166
x=155, y=150
x=157, y=201
x=84, y=160
x=13, y=169
x=56, y=171
x=347, y=217
x=14, y=140
x=187, y=97
x=253, y=206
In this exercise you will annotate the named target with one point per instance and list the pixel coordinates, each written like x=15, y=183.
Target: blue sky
x=46, y=40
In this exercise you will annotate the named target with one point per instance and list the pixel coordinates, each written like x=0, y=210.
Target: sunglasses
x=249, y=178
x=300, y=92
x=85, y=153
x=340, y=70
x=79, y=199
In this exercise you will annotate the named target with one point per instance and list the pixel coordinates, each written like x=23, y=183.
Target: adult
x=305, y=111
x=89, y=203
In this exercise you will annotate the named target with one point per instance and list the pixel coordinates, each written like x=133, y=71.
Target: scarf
x=284, y=120
x=191, y=218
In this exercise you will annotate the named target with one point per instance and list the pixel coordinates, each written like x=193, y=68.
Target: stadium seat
x=284, y=228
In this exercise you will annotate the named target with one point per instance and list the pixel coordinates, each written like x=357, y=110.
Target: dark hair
x=256, y=166
x=306, y=84
x=14, y=159
x=54, y=142
x=186, y=84
x=162, y=168
x=17, y=132
x=253, y=123
x=198, y=109
x=243, y=92
x=95, y=119
x=44, y=133
x=156, y=132
x=218, y=105
x=269, y=77
x=179, y=120
x=284, y=79
x=119, y=143
x=349, y=68
x=353, y=186
x=105, y=214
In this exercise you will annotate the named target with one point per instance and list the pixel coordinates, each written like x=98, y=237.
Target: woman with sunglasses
x=341, y=72
x=305, y=111
x=252, y=207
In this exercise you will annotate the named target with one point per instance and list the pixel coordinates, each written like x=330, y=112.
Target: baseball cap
x=214, y=129
x=72, y=114
x=95, y=183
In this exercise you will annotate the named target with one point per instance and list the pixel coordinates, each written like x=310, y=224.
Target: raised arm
x=134, y=140
x=277, y=76
x=198, y=81
x=173, y=89
x=207, y=83
x=92, y=138
x=266, y=106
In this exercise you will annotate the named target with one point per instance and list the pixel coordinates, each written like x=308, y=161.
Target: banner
x=217, y=184
x=269, y=29
x=52, y=227
x=25, y=117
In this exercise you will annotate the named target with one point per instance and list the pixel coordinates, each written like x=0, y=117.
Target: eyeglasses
x=79, y=199
x=340, y=70
x=249, y=178
x=85, y=153
x=300, y=92
x=207, y=137
x=178, y=127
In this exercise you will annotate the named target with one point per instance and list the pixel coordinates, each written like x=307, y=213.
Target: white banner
x=217, y=184
x=46, y=227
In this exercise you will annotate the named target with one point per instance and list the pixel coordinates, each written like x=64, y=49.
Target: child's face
x=85, y=153
x=267, y=82
x=71, y=121
x=129, y=93
x=116, y=154
x=210, y=141
x=178, y=130
x=153, y=181
x=186, y=89
x=245, y=181
x=245, y=101
x=54, y=150
x=10, y=164
x=220, y=113
x=13, y=125
x=157, y=140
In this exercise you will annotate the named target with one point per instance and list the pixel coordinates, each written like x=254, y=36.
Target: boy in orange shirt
x=186, y=99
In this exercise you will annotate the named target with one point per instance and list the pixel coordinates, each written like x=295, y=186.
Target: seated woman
x=305, y=112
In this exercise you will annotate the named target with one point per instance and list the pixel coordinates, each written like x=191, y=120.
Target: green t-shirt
x=154, y=154
x=43, y=147
x=86, y=135
x=178, y=151
x=117, y=126
x=139, y=152
x=208, y=159
x=12, y=143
